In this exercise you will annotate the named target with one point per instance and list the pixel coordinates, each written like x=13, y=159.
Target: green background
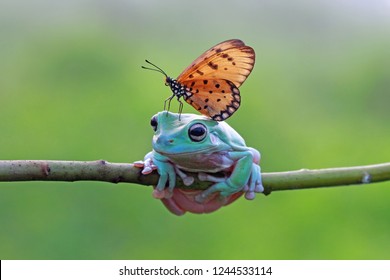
x=72, y=88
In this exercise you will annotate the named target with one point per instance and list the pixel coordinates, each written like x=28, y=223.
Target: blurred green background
x=72, y=88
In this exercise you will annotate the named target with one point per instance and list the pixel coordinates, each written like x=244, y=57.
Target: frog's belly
x=213, y=162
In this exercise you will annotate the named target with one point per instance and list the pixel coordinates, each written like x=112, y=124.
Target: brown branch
x=45, y=170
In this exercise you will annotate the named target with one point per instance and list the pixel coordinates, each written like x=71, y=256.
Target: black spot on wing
x=212, y=65
x=230, y=108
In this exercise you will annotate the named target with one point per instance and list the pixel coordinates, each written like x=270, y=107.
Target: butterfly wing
x=230, y=60
x=212, y=80
x=216, y=98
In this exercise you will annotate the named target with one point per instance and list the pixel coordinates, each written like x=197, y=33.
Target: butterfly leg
x=180, y=106
x=168, y=100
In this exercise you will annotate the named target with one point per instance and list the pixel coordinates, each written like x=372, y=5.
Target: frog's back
x=228, y=135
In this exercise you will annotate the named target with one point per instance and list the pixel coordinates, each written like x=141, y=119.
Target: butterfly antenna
x=158, y=69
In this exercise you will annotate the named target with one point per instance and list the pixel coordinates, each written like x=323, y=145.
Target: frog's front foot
x=255, y=184
x=147, y=164
x=168, y=192
x=167, y=179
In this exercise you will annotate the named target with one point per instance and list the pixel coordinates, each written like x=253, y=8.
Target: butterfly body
x=210, y=84
x=178, y=90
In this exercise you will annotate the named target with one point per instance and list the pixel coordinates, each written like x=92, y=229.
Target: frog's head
x=189, y=134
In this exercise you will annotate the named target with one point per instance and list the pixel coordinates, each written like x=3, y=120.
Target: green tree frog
x=199, y=144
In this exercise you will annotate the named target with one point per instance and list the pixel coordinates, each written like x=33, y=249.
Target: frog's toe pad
x=139, y=164
x=259, y=188
x=147, y=167
x=250, y=195
x=147, y=170
x=202, y=176
x=250, y=191
x=188, y=180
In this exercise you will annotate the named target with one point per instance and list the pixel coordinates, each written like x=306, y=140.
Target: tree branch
x=46, y=170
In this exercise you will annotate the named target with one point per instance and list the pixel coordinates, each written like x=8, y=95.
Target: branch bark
x=101, y=170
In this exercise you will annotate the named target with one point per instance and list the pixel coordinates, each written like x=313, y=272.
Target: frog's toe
x=249, y=190
x=210, y=178
x=201, y=198
x=160, y=194
x=147, y=170
x=138, y=164
x=250, y=195
x=252, y=188
x=259, y=188
x=202, y=176
x=188, y=180
x=147, y=165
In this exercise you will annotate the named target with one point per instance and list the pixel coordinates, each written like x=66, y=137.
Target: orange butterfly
x=210, y=84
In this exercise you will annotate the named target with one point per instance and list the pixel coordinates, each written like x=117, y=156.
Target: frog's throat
x=196, y=152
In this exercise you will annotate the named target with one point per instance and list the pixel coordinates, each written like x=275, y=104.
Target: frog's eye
x=154, y=123
x=197, y=132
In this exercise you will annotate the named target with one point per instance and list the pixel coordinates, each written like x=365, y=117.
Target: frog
x=187, y=144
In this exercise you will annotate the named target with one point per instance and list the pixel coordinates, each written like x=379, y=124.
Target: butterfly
x=210, y=83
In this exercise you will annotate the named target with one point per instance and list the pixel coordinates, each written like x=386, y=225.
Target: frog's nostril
x=162, y=140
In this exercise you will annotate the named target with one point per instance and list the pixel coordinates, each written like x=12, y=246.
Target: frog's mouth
x=177, y=152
